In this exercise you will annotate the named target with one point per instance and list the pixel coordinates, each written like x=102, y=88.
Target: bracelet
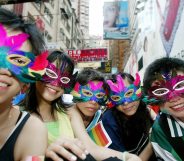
x=124, y=154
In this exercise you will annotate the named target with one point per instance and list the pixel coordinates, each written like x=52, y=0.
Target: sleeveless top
x=61, y=127
x=7, y=151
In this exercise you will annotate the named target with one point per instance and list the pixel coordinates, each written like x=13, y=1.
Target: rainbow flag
x=99, y=135
x=35, y=158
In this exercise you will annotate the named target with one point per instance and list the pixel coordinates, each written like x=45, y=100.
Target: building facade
x=56, y=20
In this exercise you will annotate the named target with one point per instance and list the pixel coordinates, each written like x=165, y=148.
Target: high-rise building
x=56, y=20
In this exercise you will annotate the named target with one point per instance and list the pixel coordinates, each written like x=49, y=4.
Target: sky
x=96, y=17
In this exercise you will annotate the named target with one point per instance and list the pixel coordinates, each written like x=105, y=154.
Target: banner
x=86, y=55
x=116, y=22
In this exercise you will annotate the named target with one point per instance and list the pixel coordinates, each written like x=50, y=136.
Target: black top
x=7, y=151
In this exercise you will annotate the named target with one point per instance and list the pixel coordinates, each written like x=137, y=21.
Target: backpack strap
x=176, y=142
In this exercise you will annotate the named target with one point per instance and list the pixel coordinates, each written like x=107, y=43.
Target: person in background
x=20, y=42
x=128, y=121
x=164, y=83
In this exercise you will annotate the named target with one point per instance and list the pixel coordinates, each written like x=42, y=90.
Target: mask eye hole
x=65, y=80
x=87, y=93
x=160, y=91
x=18, y=60
x=115, y=98
x=100, y=95
x=129, y=93
x=179, y=86
x=50, y=73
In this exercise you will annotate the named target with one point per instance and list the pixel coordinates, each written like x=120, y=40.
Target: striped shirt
x=162, y=147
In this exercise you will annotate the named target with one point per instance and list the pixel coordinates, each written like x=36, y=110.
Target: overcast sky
x=96, y=17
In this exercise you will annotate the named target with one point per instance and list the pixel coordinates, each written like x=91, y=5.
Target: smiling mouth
x=179, y=107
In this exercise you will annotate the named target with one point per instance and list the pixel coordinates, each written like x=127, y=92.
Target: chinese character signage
x=87, y=55
x=116, y=22
x=106, y=67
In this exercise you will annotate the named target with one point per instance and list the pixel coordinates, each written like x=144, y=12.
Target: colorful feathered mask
x=93, y=91
x=119, y=93
x=167, y=88
x=56, y=76
x=24, y=65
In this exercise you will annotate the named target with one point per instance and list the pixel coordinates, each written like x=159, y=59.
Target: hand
x=66, y=148
x=131, y=157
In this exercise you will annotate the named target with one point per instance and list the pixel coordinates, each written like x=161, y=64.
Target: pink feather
x=137, y=80
x=76, y=87
x=95, y=86
x=120, y=83
x=14, y=42
x=113, y=86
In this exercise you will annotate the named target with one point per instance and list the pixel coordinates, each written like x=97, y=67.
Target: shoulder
x=32, y=139
x=108, y=119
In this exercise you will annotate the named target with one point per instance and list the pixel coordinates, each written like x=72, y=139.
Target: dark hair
x=138, y=123
x=16, y=22
x=31, y=103
x=160, y=66
x=89, y=75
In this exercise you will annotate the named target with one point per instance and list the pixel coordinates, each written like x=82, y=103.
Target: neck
x=86, y=119
x=5, y=111
x=45, y=108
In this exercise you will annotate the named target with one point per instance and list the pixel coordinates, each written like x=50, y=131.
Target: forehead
x=179, y=72
x=26, y=45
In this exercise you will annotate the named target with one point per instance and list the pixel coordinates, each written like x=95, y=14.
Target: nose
x=173, y=97
x=5, y=72
x=55, y=83
x=125, y=103
x=93, y=102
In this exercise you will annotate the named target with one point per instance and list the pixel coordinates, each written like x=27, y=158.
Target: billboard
x=87, y=55
x=116, y=22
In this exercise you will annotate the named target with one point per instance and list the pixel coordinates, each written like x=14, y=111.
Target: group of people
x=43, y=124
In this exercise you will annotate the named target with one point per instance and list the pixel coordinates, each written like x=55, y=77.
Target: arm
x=32, y=140
x=100, y=153
x=146, y=153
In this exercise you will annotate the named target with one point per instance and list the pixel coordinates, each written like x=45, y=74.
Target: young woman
x=164, y=82
x=128, y=122
x=19, y=43
x=89, y=94
x=44, y=101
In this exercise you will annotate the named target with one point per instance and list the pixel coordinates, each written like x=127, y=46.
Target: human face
x=22, y=63
x=10, y=85
x=129, y=109
x=92, y=91
x=172, y=96
x=89, y=108
x=122, y=91
x=110, y=13
x=49, y=91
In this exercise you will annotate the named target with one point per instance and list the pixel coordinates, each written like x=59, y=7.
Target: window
x=61, y=34
x=67, y=43
x=51, y=3
x=48, y=16
x=140, y=63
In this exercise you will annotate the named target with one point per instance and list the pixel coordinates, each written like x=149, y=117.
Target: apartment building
x=56, y=20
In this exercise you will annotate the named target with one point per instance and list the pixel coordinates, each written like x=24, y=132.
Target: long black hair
x=15, y=22
x=140, y=122
x=31, y=103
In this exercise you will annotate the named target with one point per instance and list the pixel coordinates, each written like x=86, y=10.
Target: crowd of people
x=107, y=120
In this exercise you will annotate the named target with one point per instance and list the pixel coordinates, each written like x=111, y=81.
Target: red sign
x=86, y=55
